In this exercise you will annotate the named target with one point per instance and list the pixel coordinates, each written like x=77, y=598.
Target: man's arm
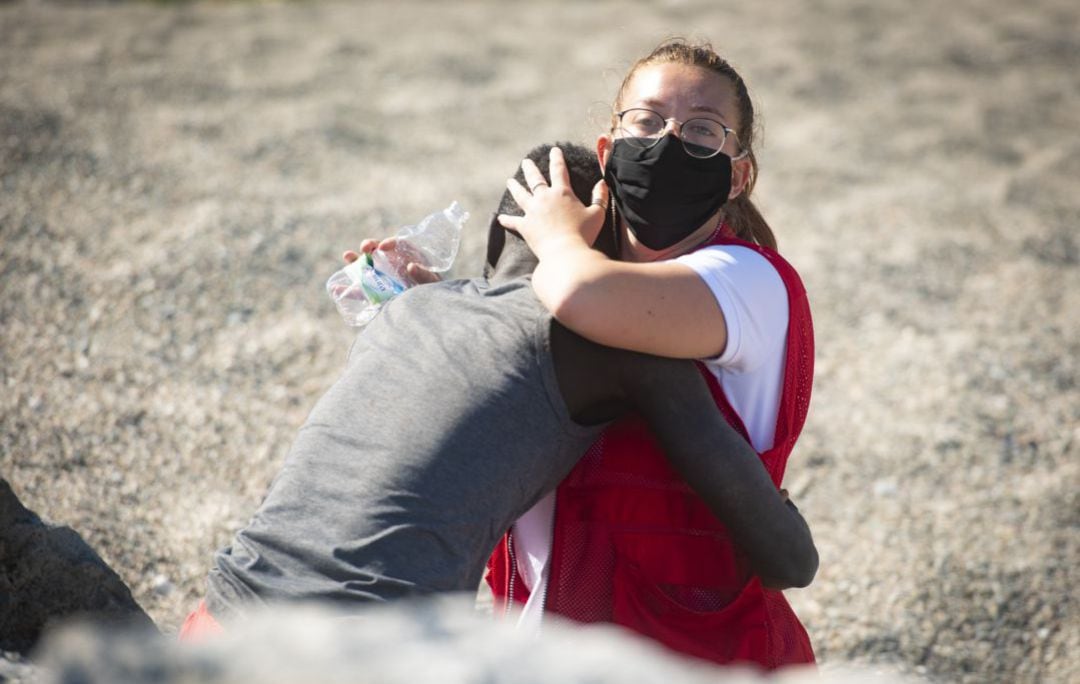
x=721, y=467
x=600, y=383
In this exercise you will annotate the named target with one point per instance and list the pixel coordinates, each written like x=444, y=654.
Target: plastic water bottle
x=362, y=287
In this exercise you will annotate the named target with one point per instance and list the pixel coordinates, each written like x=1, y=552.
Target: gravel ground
x=178, y=180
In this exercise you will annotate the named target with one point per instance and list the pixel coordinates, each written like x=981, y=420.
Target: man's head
x=507, y=254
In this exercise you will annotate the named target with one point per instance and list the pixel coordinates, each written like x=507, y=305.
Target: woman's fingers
x=510, y=221
x=560, y=177
x=600, y=195
x=597, y=208
x=519, y=193
x=534, y=178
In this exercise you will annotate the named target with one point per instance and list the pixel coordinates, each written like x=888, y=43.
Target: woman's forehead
x=681, y=86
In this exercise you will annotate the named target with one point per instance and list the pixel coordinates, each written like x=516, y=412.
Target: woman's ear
x=603, y=150
x=740, y=176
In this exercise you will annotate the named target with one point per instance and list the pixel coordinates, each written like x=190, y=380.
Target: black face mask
x=663, y=193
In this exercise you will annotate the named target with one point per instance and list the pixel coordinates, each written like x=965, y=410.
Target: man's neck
x=516, y=260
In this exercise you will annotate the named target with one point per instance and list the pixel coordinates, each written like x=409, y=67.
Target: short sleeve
x=752, y=297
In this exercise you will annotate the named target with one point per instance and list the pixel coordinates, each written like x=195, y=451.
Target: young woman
x=623, y=540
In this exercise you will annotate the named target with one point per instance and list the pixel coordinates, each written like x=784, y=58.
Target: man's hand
x=395, y=254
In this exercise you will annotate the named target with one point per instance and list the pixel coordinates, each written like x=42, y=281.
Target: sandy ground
x=177, y=182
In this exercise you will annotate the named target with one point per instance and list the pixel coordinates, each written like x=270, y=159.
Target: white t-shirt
x=752, y=297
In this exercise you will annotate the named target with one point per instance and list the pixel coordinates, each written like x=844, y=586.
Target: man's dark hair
x=584, y=170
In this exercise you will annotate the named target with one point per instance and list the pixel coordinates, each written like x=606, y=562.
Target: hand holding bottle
x=413, y=269
x=383, y=270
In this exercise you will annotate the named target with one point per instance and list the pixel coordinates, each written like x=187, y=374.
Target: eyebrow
x=650, y=102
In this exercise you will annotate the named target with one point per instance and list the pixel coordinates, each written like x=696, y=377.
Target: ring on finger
x=534, y=186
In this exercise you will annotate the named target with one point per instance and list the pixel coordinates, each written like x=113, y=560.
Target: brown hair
x=741, y=214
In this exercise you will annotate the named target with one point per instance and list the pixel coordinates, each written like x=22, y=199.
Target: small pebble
x=162, y=585
x=884, y=488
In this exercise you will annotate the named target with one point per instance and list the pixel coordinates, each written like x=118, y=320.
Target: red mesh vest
x=633, y=545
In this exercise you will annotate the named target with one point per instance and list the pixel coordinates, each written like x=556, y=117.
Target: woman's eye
x=702, y=131
x=648, y=125
x=642, y=123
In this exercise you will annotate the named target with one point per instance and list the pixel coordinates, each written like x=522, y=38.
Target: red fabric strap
x=200, y=625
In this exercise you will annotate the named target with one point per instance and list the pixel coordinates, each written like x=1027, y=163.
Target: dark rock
x=49, y=574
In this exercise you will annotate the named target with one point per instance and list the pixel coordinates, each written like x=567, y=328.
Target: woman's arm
x=660, y=308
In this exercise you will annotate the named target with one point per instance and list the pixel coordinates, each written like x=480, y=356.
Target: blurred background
x=178, y=180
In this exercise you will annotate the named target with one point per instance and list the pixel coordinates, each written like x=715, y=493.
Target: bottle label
x=378, y=286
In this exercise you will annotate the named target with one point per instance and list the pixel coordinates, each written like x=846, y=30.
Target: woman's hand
x=662, y=308
x=395, y=253
x=555, y=219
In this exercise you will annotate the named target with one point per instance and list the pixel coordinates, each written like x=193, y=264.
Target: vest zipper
x=510, y=574
x=550, y=564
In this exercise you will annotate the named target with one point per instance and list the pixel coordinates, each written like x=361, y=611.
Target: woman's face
x=681, y=92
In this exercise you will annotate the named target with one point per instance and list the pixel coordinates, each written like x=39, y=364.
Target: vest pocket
x=688, y=593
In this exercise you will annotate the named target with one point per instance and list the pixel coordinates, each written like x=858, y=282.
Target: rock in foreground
x=443, y=640
x=49, y=574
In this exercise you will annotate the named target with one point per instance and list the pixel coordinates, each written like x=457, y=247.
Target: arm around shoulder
x=660, y=308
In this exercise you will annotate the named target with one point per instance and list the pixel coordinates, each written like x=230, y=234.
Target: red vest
x=633, y=545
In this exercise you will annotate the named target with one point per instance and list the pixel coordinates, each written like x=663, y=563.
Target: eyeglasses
x=701, y=138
